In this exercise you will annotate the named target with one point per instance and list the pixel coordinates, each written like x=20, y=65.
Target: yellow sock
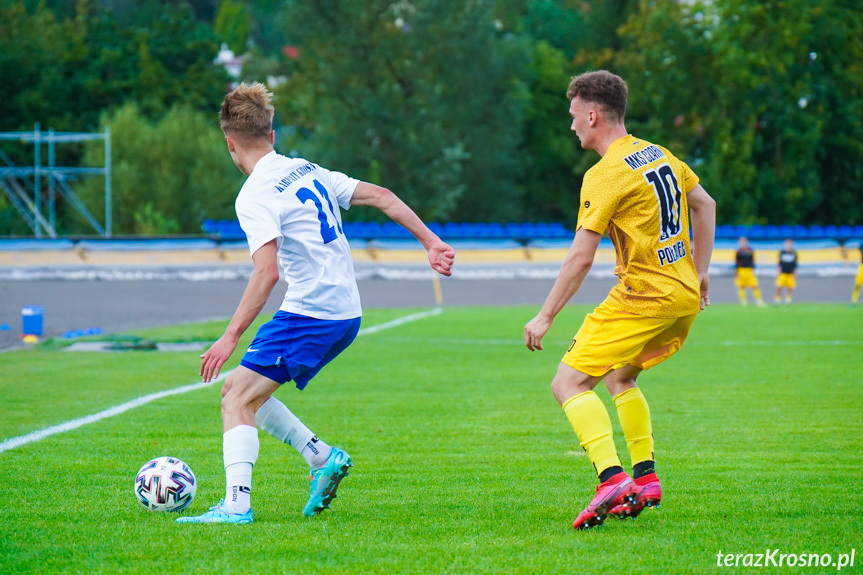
x=741, y=295
x=634, y=415
x=856, y=293
x=591, y=423
x=757, y=293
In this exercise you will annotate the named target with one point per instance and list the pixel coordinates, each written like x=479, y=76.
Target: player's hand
x=441, y=258
x=214, y=358
x=534, y=332
x=704, y=282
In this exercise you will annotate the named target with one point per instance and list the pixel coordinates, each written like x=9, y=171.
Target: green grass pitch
x=463, y=461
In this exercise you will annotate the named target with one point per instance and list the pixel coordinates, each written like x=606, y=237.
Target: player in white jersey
x=289, y=210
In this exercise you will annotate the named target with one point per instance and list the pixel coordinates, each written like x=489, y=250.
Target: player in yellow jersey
x=744, y=272
x=787, y=273
x=641, y=195
x=858, y=281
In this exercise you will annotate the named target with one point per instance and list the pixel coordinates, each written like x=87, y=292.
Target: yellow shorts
x=786, y=281
x=610, y=338
x=746, y=278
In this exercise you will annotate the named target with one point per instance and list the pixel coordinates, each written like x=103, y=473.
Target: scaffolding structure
x=23, y=184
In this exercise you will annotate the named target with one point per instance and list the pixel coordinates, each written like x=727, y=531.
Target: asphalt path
x=117, y=306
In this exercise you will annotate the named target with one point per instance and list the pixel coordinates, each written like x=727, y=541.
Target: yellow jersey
x=637, y=193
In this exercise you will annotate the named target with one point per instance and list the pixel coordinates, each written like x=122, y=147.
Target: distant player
x=745, y=273
x=289, y=211
x=641, y=194
x=787, y=273
x=858, y=281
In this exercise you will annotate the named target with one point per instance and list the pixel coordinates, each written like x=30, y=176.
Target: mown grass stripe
x=40, y=434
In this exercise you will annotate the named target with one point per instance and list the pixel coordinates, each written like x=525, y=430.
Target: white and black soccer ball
x=165, y=484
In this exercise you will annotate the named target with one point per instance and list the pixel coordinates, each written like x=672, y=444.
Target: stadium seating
x=525, y=232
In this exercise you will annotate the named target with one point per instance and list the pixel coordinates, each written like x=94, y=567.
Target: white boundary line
x=400, y=320
x=40, y=434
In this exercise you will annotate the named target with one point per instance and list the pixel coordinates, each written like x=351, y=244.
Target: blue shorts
x=296, y=347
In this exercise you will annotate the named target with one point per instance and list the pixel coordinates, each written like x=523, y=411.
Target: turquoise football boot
x=326, y=480
x=218, y=514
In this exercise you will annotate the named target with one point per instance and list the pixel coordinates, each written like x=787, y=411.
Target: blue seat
x=800, y=233
x=393, y=231
x=725, y=232
x=361, y=230
x=560, y=231
x=496, y=231
x=480, y=230
x=468, y=230
x=453, y=231
x=741, y=231
x=210, y=226
x=857, y=232
x=542, y=231
x=229, y=230
x=756, y=232
x=831, y=232
x=786, y=231
x=816, y=232
x=519, y=231
x=771, y=232
x=844, y=232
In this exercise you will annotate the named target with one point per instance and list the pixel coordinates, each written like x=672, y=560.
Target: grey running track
x=116, y=306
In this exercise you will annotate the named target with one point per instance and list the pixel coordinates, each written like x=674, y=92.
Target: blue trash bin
x=31, y=319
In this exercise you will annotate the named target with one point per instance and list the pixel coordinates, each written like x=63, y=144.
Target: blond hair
x=247, y=112
x=603, y=88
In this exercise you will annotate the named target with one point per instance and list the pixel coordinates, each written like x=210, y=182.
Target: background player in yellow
x=641, y=195
x=744, y=276
x=858, y=281
x=787, y=273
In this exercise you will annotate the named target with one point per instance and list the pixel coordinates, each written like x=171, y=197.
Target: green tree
x=763, y=100
x=233, y=25
x=426, y=94
x=550, y=149
x=168, y=174
x=64, y=73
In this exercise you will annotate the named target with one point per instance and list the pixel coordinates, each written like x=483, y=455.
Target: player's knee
x=621, y=379
x=565, y=386
x=229, y=382
x=227, y=404
x=619, y=385
x=233, y=400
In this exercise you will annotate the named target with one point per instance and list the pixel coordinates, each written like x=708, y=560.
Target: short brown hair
x=602, y=87
x=247, y=112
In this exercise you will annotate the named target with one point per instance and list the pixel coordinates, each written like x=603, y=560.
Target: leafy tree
x=424, y=95
x=550, y=150
x=762, y=99
x=233, y=25
x=33, y=50
x=168, y=174
x=65, y=72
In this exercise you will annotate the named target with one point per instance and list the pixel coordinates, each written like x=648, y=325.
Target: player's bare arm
x=703, y=218
x=264, y=278
x=440, y=254
x=573, y=270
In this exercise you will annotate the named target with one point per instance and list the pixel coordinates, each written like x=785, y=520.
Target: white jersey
x=297, y=203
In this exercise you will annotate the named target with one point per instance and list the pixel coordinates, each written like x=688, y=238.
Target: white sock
x=240, y=447
x=277, y=420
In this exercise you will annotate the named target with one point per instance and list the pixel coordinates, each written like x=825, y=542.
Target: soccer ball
x=165, y=484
